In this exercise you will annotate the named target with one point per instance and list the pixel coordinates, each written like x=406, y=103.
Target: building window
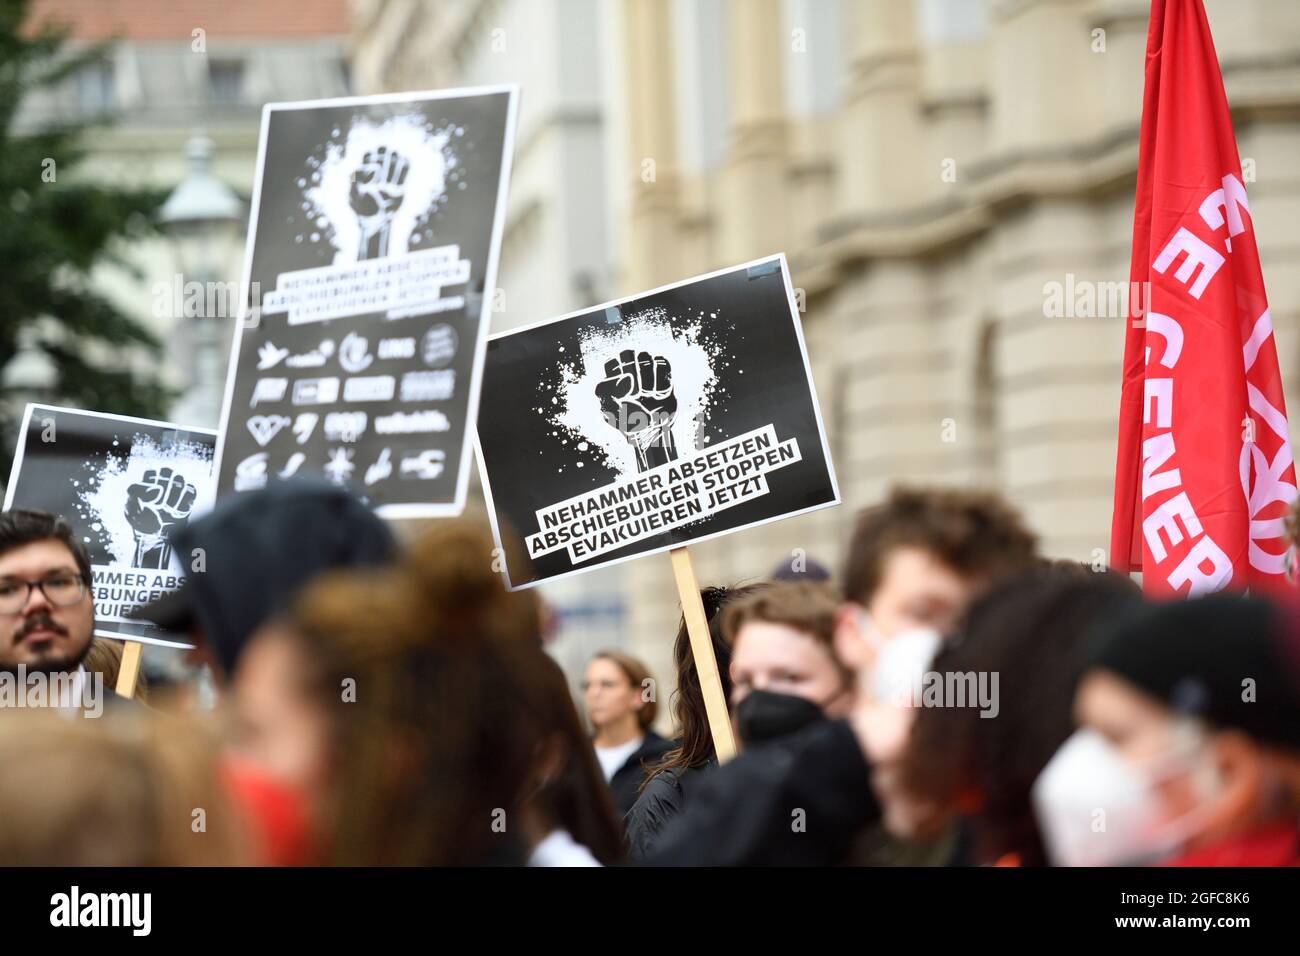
x=953, y=21
x=814, y=60
x=95, y=88
x=700, y=59
x=225, y=82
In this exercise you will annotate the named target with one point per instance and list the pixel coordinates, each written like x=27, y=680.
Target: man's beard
x=48, y=666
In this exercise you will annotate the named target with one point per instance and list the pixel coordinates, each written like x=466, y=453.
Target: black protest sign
x=126, y=485
x=672, y=416
x=370, y=273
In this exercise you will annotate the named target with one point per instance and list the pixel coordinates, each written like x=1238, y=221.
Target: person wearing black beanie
x=251, y=555
x=1188, y=751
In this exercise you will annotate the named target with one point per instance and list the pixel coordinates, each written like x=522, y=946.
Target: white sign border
x=14, y=470
x=817, y=411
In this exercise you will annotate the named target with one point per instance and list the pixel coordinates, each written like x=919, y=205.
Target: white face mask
x=1095, y=808
x=901, y=661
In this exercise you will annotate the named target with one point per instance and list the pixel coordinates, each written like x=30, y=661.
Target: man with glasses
x=47, y=616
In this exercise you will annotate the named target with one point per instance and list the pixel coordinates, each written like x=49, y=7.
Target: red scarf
x=1277, y=845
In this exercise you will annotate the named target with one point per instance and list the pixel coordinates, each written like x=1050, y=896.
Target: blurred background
x=952, y=181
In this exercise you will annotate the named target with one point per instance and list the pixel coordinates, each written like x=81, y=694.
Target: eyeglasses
x=61, y=590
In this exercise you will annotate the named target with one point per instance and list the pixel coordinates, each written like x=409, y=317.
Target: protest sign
x=369, y=277
x=672, y=416
x=125, y=485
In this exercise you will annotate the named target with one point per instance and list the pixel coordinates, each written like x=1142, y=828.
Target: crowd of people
x=951, y=698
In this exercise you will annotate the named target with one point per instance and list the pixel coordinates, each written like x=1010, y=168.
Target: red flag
x=1204, y=476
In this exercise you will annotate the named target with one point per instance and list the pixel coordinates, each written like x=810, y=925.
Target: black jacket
x=627, y=779
x=662, y=800
x=796, y=801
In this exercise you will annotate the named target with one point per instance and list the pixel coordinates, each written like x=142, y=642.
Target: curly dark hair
x=457, y=709
x=23, y=526
x=975, y=533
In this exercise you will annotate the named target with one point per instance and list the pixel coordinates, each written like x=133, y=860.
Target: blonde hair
x=131, y=789
x=105, y=657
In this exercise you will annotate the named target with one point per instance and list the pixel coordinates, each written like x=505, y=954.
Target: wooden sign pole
x=706, y=664
x=129, y=672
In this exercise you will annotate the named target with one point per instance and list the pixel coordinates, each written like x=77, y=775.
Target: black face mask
x=764, y=715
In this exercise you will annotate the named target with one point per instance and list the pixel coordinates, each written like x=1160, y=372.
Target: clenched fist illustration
x=157, y=506
x=378, y=188
x=636, y=397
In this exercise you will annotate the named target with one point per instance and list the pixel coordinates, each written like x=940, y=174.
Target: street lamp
x=202, y=218
x=31, y=374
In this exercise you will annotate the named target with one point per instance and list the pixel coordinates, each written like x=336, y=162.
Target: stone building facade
x=952, y=181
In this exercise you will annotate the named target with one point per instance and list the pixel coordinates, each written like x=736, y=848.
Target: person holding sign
x=667, y=791
x=914, y=565
x=47, y=617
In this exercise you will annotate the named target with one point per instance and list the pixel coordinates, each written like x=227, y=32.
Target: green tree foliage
x=56, y=224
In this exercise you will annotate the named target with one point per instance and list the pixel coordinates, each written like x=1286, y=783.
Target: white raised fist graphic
x=378, y=188
x=157, y=506
x=636, y=397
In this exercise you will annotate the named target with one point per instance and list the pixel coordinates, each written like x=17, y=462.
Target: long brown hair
x=576, y=797
x=695, y=745
x=438, y=746
x=126, y=790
